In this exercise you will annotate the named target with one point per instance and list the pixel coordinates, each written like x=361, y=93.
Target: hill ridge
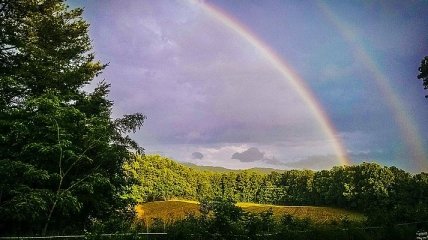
x=227, y=170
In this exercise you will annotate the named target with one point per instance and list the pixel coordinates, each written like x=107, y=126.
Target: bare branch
x=60, y=147
x=81, y=180
x=8, y=48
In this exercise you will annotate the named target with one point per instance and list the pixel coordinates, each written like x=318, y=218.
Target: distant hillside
x=226, y=170
x=208, y=168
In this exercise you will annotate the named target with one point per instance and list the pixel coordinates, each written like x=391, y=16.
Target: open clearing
x=170, y=211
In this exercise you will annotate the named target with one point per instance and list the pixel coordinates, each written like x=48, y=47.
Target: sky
x=280, y=84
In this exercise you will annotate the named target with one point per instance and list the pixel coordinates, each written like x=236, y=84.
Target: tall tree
x=61, y=154
x=423, y=73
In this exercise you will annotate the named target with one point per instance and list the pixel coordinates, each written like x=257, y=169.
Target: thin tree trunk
x=45, y=228
x=62, y=174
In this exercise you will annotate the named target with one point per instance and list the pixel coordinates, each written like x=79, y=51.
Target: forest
x=67, y=166
x=382, y=193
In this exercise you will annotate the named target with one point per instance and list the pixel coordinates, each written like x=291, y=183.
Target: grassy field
x=170, y=211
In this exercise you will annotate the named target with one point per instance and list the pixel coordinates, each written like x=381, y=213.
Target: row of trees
x=367, y=187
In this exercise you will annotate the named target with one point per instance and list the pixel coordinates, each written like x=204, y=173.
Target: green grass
x=170, y=211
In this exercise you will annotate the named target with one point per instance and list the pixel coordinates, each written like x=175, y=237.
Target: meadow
x=173, y=210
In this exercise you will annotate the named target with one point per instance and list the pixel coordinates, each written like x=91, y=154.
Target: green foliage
x=298, y=187
x=260, y=223
x=171, y=211
x=225, y=215
x=159, y=178
x=224, y=221
x=386, y=195
x=423, y=72
x=61, y=154
x=221, y=219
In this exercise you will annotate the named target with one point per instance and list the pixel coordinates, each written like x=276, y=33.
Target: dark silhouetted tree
x=423, y=73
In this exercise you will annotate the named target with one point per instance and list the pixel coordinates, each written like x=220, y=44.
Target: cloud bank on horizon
x=212, y=99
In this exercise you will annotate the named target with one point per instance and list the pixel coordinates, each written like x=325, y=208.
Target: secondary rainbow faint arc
x=296, y=82
x=407, y=126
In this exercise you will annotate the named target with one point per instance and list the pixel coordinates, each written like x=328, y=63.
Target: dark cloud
x=250, y=155
x=197, y=155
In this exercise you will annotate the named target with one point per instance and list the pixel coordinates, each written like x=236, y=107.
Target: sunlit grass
x=167, y=211
x=186, y=201
x=173, y=210
x=250, y=204
x=316, y=214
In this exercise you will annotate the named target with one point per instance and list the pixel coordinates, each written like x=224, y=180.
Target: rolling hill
x=226, y=170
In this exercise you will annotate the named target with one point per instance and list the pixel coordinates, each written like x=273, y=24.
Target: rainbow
x=407, y=126
x=280, y=65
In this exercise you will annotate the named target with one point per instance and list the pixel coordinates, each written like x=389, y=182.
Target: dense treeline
x=367, y=187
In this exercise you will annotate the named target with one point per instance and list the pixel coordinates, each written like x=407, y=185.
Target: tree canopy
x=61, y=153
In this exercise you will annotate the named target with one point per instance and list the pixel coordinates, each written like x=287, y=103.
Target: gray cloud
x=209, y=90
x=250, y=155
x=197, y=155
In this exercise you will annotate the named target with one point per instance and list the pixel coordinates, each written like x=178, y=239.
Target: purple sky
x=211, y=98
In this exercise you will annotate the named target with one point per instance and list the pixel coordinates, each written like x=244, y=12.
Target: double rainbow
x=286, y=71
x=407, y=126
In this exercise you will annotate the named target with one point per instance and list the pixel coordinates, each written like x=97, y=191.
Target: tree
x=226, y=216
x=423, y=73
x=160, y=178
x=373, y=184
x=298, y=185
x=61, y=154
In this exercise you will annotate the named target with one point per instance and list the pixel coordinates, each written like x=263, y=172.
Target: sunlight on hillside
x=168, y=211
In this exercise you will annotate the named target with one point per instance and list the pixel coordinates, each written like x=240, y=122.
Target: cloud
x=195, y=79
x=197, y=155
x=201, y=85
x=250, y=155
x=243, y=155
